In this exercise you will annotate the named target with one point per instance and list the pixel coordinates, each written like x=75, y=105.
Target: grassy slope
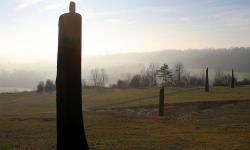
x=27, y=121
x=140, y=97
x=223, y=128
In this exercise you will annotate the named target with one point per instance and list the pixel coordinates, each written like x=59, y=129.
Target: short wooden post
x=161, y=102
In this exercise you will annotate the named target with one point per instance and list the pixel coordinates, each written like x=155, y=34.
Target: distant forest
x=118, y=65
x=225, y=59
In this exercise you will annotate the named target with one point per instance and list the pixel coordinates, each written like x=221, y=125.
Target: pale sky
x=29, y=28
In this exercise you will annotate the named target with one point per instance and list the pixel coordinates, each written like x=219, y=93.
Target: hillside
x=118, y=65
x=224, y=59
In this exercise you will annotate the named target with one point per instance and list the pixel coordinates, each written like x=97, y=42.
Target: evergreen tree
x=49, y=86
x=40, y=87
x=165, y=74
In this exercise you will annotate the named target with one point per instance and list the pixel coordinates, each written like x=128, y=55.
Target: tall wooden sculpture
x=232, y=79
x=207, y=82
x=161, y=102
x=70, y=129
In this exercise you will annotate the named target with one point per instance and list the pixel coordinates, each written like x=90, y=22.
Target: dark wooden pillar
x=207, y=82
x=161, y=102
x=232, y=79
x=70, y=129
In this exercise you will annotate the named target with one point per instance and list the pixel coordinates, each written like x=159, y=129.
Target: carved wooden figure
x=70, y=129
x=207, y=82
x=161, y=102
x=232, y=79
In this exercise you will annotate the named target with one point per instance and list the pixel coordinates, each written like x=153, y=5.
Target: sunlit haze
x=29, y=28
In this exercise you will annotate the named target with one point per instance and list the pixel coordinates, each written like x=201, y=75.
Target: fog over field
x=118, y=66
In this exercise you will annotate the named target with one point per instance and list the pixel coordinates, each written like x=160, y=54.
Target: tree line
x=155, y=75
x=152, y=75
x=48, y=87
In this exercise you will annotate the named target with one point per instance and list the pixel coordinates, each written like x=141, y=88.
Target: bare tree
x=103, y=78
x=179, y=70
x=95, y=76
x=144, y=77
x=152, y=72
x=99, y=77
x=148, y=75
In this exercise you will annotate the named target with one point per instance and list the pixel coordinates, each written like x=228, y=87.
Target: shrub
x=122, y=84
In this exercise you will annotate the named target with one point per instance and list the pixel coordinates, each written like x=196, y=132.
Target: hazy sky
x=28, y=28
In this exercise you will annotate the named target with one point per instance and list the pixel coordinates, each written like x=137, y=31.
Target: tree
x=195, y=81
x=103, y=78
x=179, y=69
x=188, y=80
x=149, y=75
x=40, y=87
x=152, y=74
x=145, y=78
x=83, y=83
x=95, y=76
x=49, y=86
x=222, y=79
x=165, y=74
x=122, y=84
x=135, y=81
x=99, y=77
x=245, y=81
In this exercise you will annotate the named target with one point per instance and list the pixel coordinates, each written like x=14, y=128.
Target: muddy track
x=171, y=110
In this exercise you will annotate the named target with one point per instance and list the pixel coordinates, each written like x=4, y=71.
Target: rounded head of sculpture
x=72, y=7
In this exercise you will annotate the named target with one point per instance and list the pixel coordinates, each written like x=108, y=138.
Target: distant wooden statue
x=70, y=129
x=232, y=80
x=207, y=82
x=161, y=102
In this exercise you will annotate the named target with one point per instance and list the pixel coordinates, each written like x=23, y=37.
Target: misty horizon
x=91, y=56
x=117, y=66
x=122, y=34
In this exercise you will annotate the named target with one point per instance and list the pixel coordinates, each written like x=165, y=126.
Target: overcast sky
x=29, y=28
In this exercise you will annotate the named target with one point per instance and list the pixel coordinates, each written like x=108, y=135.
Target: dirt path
x=171, y=110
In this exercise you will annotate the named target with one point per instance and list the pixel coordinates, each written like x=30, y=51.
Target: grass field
x=194, y=119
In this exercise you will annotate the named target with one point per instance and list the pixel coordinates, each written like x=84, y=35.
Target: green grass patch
x=28, y=120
